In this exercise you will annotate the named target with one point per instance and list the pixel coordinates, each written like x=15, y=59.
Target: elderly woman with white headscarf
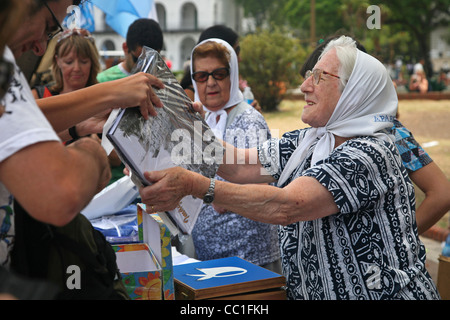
x=344, y=199
x=219, y=233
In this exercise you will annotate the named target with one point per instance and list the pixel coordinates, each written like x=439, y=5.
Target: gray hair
x=346, y=52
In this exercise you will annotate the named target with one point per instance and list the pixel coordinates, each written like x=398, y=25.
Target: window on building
x=189, y=16
x=161, y=14
x=108, y=45
x=106, y=26
x=186, y=47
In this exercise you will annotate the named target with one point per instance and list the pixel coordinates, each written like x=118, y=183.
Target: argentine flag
x=121, y=13
x=80, y=17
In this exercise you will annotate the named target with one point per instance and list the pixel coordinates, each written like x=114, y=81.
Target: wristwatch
x=209, y=196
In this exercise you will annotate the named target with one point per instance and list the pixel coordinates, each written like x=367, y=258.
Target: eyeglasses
x=317, y=75
x=76, y=32
x=57, y=28
x=218, y=74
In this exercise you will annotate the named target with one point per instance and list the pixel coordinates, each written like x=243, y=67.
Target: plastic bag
x=177, y=136
x=121, y=227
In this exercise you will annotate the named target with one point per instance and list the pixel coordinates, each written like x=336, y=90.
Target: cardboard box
x=156, y=234
x=141, y=272
x=227, y=278
x=146, y=266
x=443, y=281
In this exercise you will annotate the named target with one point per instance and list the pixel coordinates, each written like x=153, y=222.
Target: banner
x=80, y=17
x=121, y=13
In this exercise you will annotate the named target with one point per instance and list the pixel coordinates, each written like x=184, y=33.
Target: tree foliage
x=419, y=18
x=405, y=30
x=270, y=61
x=266, y=13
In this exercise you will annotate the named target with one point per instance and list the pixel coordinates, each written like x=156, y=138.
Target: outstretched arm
x=64, y=111
x=303, y=199
x=243, y=166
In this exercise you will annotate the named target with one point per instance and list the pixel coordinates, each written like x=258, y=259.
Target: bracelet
x=73, y=133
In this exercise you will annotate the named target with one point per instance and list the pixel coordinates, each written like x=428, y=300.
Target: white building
x=182, y=22
x=440, y=49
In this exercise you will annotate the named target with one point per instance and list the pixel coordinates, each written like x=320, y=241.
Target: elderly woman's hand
x=167, y=188
x=198, y=107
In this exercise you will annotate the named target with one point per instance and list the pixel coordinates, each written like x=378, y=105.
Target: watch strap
x=209, y=196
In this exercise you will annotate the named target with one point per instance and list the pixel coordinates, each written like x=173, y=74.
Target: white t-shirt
x=26, y=125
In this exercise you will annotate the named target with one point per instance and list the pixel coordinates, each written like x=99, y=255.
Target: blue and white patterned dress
x=224, y=235
x=370, y=249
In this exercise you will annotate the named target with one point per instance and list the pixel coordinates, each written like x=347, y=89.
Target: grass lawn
x=428, y=120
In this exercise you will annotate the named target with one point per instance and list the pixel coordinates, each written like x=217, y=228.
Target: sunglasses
x=57, y=28
x=317, y=75
x=218, y=74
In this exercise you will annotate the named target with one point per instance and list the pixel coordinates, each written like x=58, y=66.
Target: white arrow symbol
x=219, y=272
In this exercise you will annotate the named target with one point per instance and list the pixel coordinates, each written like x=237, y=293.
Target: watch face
x=208, y=198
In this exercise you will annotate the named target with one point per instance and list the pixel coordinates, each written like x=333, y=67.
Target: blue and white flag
x=120, y=14
x=80, y=17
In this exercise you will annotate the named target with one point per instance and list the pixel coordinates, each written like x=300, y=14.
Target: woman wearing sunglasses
x=219, y=233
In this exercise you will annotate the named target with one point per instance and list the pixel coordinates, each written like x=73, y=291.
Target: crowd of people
x=331, y=206
x=413, y=78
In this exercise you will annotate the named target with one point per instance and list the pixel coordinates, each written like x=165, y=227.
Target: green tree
x=270, y=61
x=327, y=18
x=419, y=18
x=266, y=13
x=406, y=26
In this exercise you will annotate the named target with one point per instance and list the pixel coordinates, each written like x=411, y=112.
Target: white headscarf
x=236, y=96
x=367, y=105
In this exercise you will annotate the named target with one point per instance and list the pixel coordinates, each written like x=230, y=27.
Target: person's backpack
x=76, y=257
